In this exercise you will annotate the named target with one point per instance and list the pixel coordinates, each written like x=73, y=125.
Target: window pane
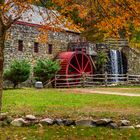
x=36, y=49
x=20, y=45
x=50, y=48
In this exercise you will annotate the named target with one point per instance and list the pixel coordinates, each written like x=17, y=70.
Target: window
x=50, y=48
x=36, y=49
x=20, y=45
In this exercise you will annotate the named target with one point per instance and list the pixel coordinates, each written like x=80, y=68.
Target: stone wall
x=29, y=35
x=131, y=56
x=133, y=60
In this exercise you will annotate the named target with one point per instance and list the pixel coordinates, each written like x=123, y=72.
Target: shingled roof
x=38, y=16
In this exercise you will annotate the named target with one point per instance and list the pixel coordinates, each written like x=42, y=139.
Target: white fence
x=86, y=80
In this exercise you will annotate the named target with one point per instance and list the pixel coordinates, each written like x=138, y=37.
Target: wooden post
x=127, y=78
x=55, y=81
x=106, y=78
x=83, y=80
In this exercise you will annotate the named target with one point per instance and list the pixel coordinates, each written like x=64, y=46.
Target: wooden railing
x=85, y=80
x=118, y=42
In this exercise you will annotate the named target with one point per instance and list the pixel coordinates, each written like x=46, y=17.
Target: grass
x=60, y=104
x=56, y=103
x=67, y=133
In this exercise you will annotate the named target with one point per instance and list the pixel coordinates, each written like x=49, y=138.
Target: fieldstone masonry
x=133, y=60
x=29, y=35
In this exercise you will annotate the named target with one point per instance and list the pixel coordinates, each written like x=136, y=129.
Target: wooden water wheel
x=74, y=64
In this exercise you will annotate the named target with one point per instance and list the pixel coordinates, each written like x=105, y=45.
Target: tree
x=18, y=72
x=102, y=59
x=45, y=69
x=113, y=17
x=5, y=23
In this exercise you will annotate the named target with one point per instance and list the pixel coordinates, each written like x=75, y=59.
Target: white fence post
x=127, y=78
x=106, y=78
x=55, y=81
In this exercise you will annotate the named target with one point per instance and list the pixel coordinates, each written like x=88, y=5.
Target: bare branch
x=11, y=21
x=1, y=19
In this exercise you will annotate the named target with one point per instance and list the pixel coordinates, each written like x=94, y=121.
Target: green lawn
x=67, y=133
x=62, y=104
x=54, y=103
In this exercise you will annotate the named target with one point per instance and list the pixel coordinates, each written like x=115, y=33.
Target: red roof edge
x=38, y=26
x=28, y=24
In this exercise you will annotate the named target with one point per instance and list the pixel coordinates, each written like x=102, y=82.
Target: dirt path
x=92, y=91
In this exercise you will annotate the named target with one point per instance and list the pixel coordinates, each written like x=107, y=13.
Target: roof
x=37, y=15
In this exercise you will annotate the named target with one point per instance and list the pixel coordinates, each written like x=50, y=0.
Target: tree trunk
x=14, y=85
x=2, y=40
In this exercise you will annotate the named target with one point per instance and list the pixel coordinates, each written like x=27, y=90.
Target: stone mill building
x=22, y=39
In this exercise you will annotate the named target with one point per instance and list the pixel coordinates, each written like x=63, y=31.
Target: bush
x=18, y=72
x=102, y=59
x=45, y=69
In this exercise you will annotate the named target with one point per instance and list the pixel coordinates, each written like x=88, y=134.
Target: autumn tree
x=5, y=23
x=117, y=17
x=10, y=12
x=113, y=18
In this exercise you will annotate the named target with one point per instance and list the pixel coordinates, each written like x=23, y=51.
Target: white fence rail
x=85, y=80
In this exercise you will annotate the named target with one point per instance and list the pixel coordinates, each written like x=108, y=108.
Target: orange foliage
x=110, y=16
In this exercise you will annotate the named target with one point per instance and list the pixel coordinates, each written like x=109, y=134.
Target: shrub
x=18, y=72
x=102, y=59
x=45, y=69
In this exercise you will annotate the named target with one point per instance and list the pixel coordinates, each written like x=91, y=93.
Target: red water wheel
x=74, y=64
